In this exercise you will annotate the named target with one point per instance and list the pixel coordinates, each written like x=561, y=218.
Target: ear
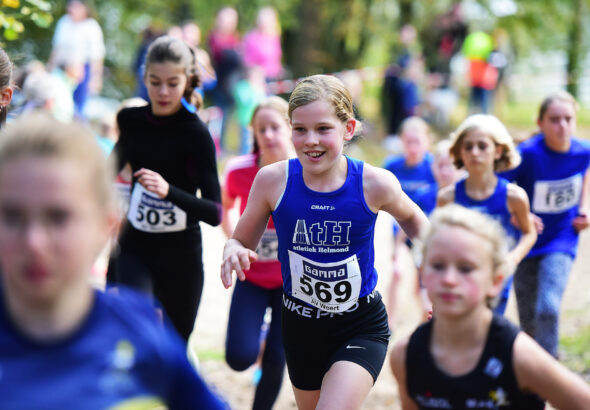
x=497, y=285
x=5, y=96
x=349, y=129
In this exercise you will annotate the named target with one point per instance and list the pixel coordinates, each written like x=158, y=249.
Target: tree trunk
x=575, y=49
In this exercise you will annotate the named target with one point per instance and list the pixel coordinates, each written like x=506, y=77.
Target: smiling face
x=558, y=124
x=272, y=134
x=166, y=83
x=319, y=135
x=479, y=151
x=458, y=271
x=51, y=228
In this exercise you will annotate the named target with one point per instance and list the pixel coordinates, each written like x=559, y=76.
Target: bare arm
x=229, y=213
x=538, y=372
x=238, y=252
x=383, y=192
x=445, y=195
x=582, y=221
x=397, y=361
x=518, y=205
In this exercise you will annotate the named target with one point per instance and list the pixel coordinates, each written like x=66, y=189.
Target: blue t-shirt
x=412, y=179
x=326, y=240
x=120, y=356
x=496, y=206
x=553, y=181
x=426, y=198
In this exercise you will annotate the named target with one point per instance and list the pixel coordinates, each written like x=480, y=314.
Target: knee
x=239, y=360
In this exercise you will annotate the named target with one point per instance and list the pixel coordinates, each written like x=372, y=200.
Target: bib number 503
x=340, y=291
x=152, y=217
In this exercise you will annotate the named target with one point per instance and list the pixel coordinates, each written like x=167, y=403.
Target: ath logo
x=323, y=207
x=331, y=233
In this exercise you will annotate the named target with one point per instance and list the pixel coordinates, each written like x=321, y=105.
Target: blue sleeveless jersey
x=322, y=232
x=495, y=206
x=553, y=182
x=121, y=356
x=413, y=178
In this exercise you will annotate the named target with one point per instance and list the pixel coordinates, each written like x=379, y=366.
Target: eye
x=465, y=268
x=437, y=265
x=57, y=217
x=12, y=217
x=482, y=146
x=172, y=85
x=299, y=129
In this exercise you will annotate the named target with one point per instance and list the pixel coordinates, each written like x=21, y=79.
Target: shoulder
x=393, y=162
x=581, y=145
x=239, y=163
x=379, y=183
x=399, y=351
x=516, y=194
x=127, y=116
x=275, y=173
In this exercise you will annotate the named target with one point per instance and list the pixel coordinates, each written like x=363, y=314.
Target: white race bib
x=555, y=196
x=332, y=287
x=148, y=213
x=268, y=246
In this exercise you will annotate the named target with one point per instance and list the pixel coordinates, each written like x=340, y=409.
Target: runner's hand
x=236, y=258
x=581, y=222
x=153, y=182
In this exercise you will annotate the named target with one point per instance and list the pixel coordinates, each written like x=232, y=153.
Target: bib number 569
x=340, y=291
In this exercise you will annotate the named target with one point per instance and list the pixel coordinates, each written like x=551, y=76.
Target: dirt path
x=237, y=388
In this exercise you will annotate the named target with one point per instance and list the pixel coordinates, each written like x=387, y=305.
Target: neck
x=465, y=331
x=559, y=146
x=481, y=186
x=267, y=158
x=54, y=319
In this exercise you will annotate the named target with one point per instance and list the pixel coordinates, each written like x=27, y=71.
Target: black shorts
x=315, y=339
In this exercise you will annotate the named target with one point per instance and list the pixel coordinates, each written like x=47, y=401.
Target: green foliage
x=16, y=15
x=574, y=351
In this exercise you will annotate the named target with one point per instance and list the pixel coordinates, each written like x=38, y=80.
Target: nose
x=311, y=139
x=35, y=236
x=450, y=276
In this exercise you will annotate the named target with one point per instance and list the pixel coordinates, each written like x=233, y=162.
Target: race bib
x=552, y=197
x=268, y=246
x=148, y=213
x=332, y=287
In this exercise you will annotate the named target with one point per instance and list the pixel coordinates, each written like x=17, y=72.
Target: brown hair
x=559, y=95
x=324, y=87
x=169, y=49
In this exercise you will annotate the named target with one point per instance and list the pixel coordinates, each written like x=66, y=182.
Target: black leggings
x=172, y=273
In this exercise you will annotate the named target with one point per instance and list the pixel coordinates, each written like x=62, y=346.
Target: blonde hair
x=272, y=103
x=477, y=223
x=492, y=127
x=40, y=135
x=442, y=149
x=327, y=88
x=415, y=123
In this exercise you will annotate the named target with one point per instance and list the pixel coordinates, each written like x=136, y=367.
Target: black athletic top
x=179, y=148
x=490, y=385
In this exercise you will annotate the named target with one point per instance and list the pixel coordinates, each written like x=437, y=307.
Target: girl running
x=482, y=146
x=5, y=85
x=466, y=356
x=324, y=206
x=62, y=343
x=262, y=288
x=555, y=173
x=172, y=156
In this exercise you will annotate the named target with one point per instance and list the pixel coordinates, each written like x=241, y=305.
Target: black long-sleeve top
x=179, y=148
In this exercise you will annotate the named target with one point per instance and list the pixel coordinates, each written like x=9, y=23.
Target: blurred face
x=77, y=11
x=444, y=170
x=458, y=272
x=558, y=124
x=51, y=229
x=272, y=134
x=319, y=135
x=415, y=144
x=479, y=151
x=166, y=83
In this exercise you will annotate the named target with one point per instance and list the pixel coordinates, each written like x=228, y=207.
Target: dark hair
x=5, y=80
x=169, y=49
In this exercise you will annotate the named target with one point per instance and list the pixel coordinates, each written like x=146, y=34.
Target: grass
x=574, y=352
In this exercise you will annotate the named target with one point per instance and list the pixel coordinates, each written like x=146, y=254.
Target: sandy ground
x=209, y=335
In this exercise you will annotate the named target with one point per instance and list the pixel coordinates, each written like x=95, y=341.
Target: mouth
x=314, y=154
x=448, y=297
x=36, y=273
